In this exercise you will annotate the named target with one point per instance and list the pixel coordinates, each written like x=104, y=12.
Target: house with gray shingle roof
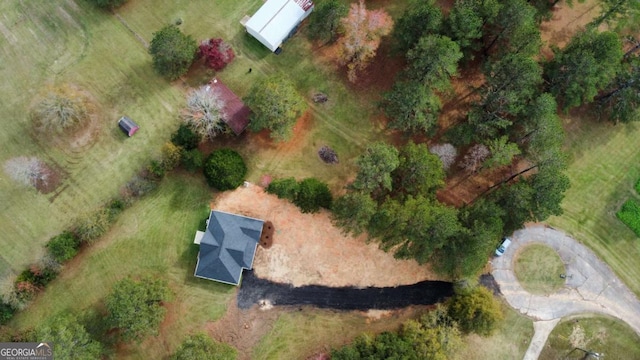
x=227, y=246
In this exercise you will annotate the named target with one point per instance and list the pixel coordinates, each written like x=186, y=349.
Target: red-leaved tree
x=363, y=31
x=217, y=53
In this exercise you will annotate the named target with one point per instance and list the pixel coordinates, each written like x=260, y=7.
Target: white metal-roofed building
x=274, y=22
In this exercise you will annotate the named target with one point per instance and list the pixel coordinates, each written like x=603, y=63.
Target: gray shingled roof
x=229, y=245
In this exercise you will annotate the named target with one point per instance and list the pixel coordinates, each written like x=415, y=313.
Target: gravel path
x=591, y=286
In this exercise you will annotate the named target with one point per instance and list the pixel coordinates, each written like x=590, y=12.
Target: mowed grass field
x=154, y=238
x=603, y=170
x=66, y=41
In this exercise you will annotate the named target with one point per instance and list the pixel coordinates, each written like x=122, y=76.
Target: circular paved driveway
x=591, y=286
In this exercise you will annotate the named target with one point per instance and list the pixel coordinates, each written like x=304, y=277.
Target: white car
x=503, y=247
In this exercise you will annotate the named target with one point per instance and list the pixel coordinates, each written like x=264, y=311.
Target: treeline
x=435, y=335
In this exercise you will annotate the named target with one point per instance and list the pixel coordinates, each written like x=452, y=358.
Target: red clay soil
x=263, y=140
x=462, y=188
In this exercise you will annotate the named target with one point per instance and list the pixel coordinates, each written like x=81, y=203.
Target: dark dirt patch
x=51, y=181
x=266, y=239
x=259, y=291
x=490, y=283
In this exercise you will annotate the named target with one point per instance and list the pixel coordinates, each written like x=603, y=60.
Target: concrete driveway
x=591, y=286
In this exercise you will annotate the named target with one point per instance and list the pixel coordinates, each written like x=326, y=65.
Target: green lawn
x=610, y=337
x=603, y=170
x=71, y=42
x=510, y=341
x=154, y=237
x=537, y=268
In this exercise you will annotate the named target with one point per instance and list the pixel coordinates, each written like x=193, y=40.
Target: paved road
x=591, y=286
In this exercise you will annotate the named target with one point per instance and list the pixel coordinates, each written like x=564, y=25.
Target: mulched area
x=254, y=290
x=266, y=238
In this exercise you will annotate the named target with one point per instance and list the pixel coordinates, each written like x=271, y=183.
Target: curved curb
x=591, y=286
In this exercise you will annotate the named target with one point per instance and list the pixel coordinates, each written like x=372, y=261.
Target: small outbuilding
x=236, y=113
x=277, y=20
x=128, y=126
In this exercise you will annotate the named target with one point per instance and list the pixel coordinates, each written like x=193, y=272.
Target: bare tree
x=363, y=31
x=60, y=109
x=473, y=159
x=29, y=171
x=447, y=154
x=204, y=113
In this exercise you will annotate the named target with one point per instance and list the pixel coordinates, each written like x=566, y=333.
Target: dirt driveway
x=307, y=249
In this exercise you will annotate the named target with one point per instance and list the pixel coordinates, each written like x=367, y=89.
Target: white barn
x=274, y=22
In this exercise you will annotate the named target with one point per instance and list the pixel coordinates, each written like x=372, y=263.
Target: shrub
x=192, y=160
x=63, y=247
x=171, y=156
x=6, y=312
x=60, y=109
x=629, y=214
x=284, y=188
x=312, y=195
x=217, y=53
x=108, y=4
x=156, y=169
x=224, y=169
x=94, y=225
x=638, y=187
x=36, y=275
x=185, y=137
x=475, y=311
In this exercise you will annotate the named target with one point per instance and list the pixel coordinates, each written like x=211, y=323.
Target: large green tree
x=433, y=61
x=585, y=66
x=466, y=21
x=415, y=228
x=201, y=346
x=172, y=52
x=620, y=102
x=325, y=22
x=412, y=107
x=421, y=18
x=419, y=172
x=275, y=105
x=135, y=307
x=465, y=255
x=354, y=211
x=513, y=30
x=70, y=338
x=476, y=311
x=224, y=169
x=375, y=166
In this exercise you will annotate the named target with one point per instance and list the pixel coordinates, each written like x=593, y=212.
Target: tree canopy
x=325, y=23
x=203, y=113
x=172, y=52
x=135, y=307
x=421, y=18
x=70, y=338
x=433, y=61
x=275, y=105
x=475, y=311
x=375, y=167
x=411, y=107
x=584, y=67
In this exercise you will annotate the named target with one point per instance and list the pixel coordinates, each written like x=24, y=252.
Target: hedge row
x=309, y=194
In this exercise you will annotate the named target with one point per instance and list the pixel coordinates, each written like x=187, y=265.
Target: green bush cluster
x=629, y=214
x=309, y=194
x=6, y=312
x=108, y=4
